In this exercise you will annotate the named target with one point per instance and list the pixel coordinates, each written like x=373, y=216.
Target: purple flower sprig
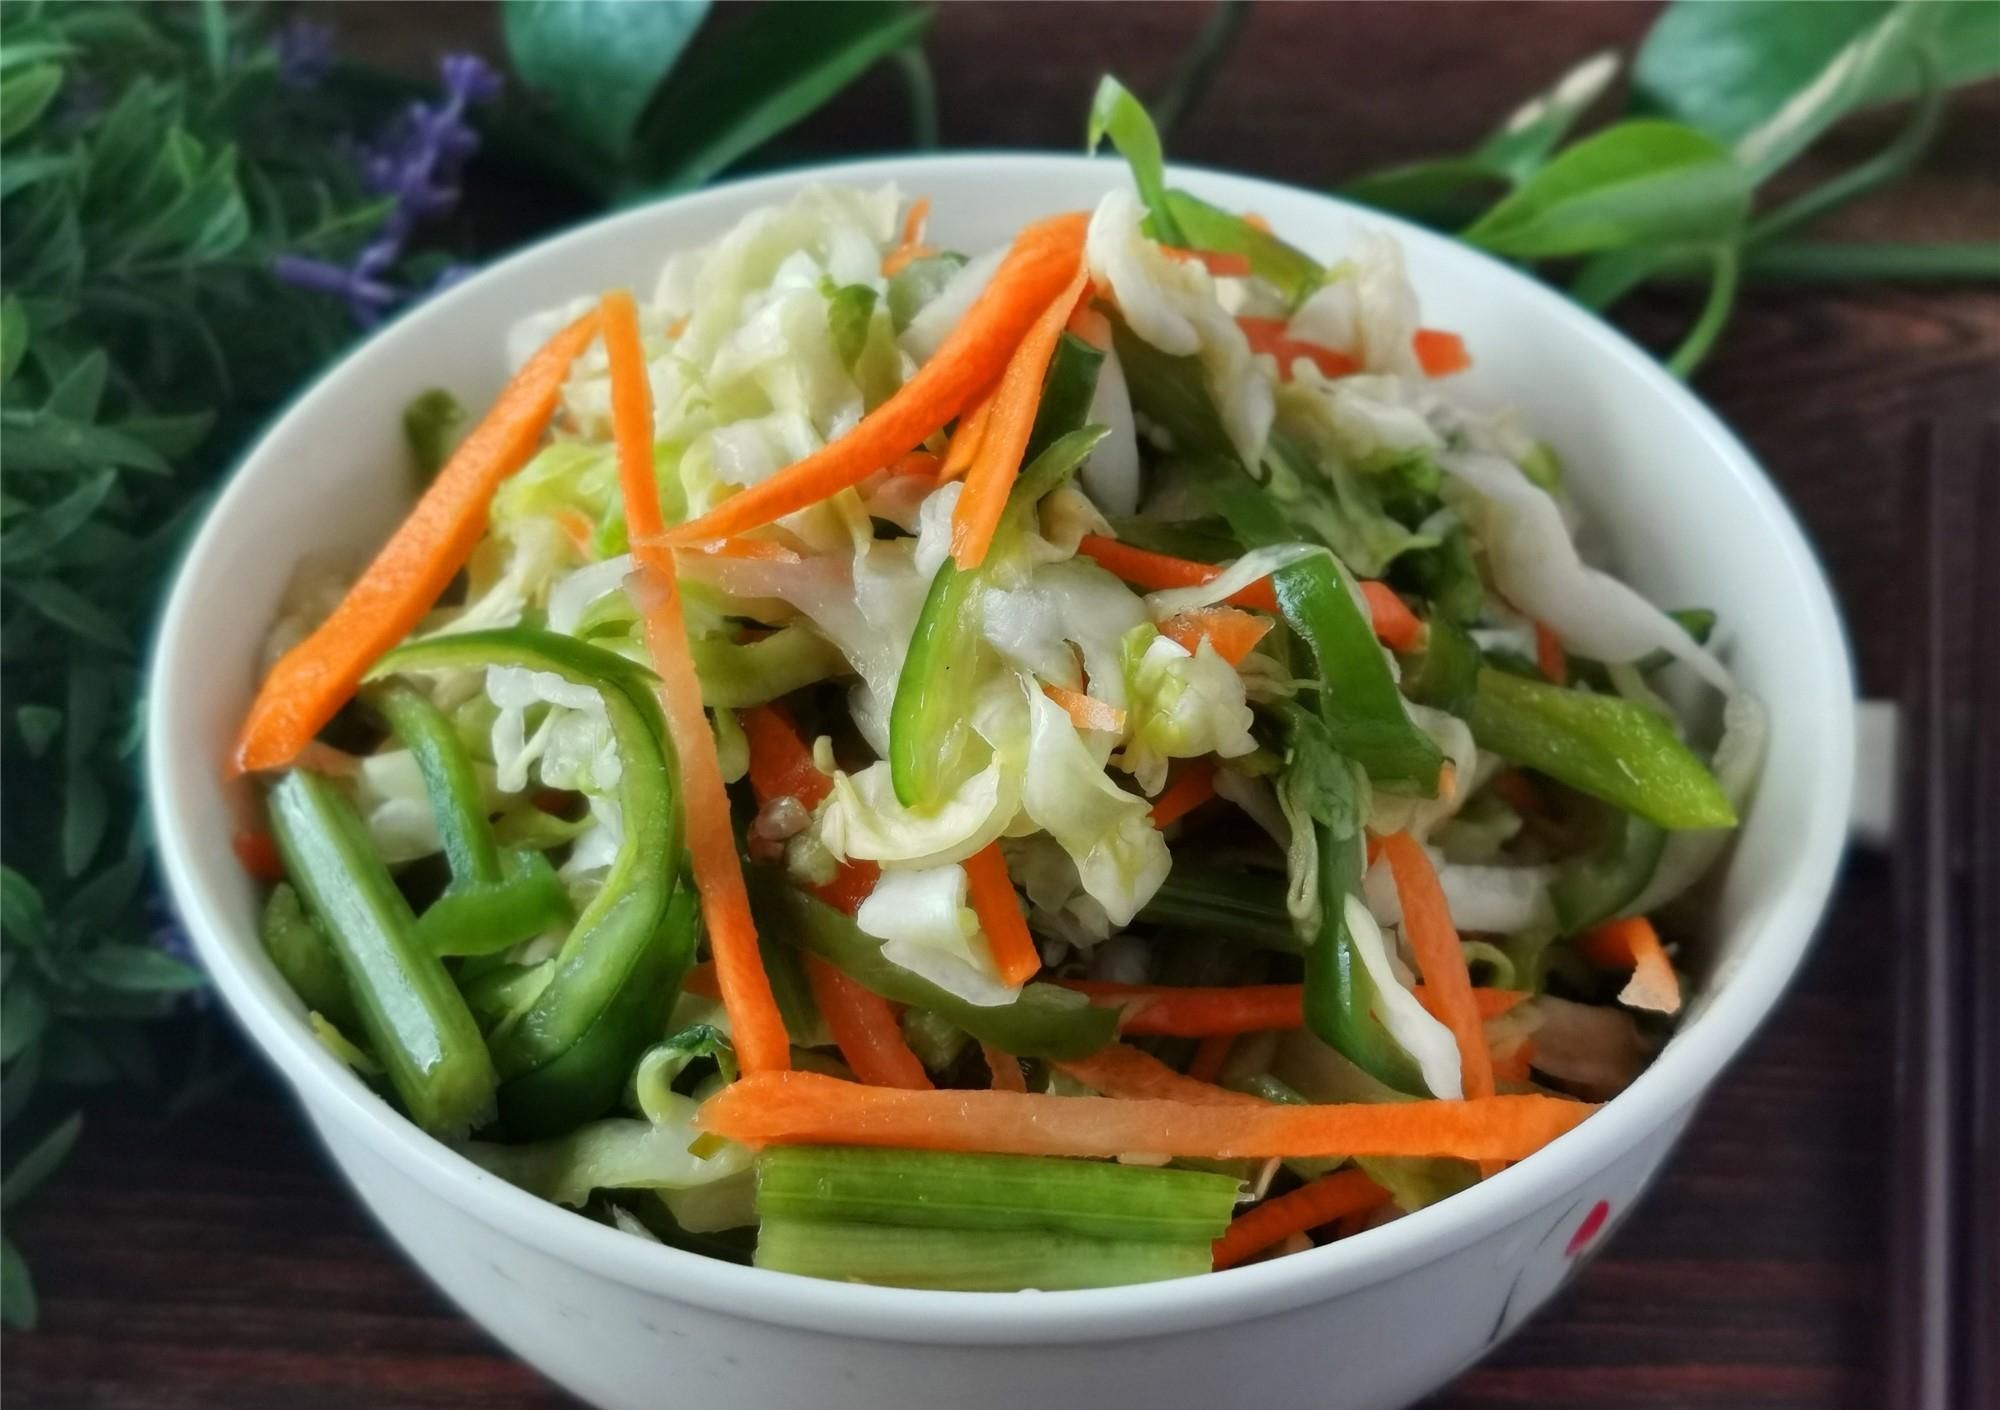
x=417, y=162
x=304, y=51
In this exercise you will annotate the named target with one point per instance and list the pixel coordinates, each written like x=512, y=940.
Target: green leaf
x=41, y=1161
x=773, y=68
x=25, y=96
x=598, y=63
x=1116, y=114
x=100, y=900
x=81, y=391
x=1730, y=69
x=30, y=441
x=170, y=436
x=19, y=173
x=1447, y=191
x=1535, y=128
x=138, y=969
x=848, y=314
x=1637, y=183
x=24, y=1014
x=38, y=725
x=23, y=917
x=18, y=1308
x=66, y=607
x=13, y=337
x=44, y=530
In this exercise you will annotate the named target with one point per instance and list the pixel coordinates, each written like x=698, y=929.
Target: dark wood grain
x=217, y=1261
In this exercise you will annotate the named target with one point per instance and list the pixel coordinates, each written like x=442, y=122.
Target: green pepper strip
x=1291, y=271
x=306, y=958
x=1445, y=674
x=1339, y=993
x=416, y=1024
x=1241, y=907
x=1603, y=745
x=1599, y=885
x=616, y=975
x=1045, y=1021
x=929, y=736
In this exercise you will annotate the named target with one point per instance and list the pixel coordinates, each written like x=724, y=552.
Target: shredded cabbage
x=1182, y=706
x=925, y=926
x=1426, y=1040
x=1120, y=856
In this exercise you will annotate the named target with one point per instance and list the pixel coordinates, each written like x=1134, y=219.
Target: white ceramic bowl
x=1368, y=1322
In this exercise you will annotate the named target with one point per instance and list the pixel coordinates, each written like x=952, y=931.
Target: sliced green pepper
x=615, y=977
x=416, y=1024
x=1597, y=886
x=1237, y=906
x=930, y=736
x=1044, y=1021
x=1291, y=271
x=486, y=919
x=1697, y=622
x=305, y=957
x=1608, y=747
x=1445, y=674
x=1340, y=994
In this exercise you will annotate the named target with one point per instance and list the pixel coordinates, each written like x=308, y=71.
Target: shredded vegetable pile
x=1043, y=767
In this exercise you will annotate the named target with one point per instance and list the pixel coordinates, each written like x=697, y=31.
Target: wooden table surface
x=217, y=1261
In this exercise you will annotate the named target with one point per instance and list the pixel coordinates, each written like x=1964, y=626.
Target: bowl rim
x=1663, y=1093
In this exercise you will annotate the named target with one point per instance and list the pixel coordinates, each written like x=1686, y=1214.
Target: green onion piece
x=940, y=1189
x=416, y=1024
x=969, y=1260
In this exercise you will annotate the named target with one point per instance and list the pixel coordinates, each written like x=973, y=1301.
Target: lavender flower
x=304, y=51
x=416, y=162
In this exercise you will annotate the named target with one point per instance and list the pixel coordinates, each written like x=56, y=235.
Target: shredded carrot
x=1086, y=711
x=258, y=854
x=1311, y=1205
x=1090, y=324
x=1043, y=261
x=911, y=246
x=866, y=1029
x=677, y=327
x=1439, y=353
x=1004, y=439
x=761, y=1041
x=1515, y=1065
x=1269, y=335
x=1632, y=942
x=966, y=438
x=1348, y=1225
x=1154, y=571
x=1221, y=263
x=1233, y=632
x=991, y=892
x=756, y=550
x=781, y=766
x=1134, y=1075
x=806, y=1108
x=700, y=979
x=1193, y=786
x=918, y=462
x=1517, y=791
x=1176, y=1012
x=1428, y=928
x=315, y=678
x=1550, y=659
x=1395, y=624
x=577, y=528
x=1006, y=1069
x=1206, y=1065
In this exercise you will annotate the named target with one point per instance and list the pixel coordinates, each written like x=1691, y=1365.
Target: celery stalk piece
x=970, y=1260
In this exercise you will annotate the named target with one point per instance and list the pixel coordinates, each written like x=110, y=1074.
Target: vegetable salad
x=1044, y=767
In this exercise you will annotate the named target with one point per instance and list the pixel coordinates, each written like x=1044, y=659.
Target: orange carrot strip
x=1208, y=1059
x=1042, y=261
x=1176, y=1012
x=1550, y=659
x=911, y=246
x=1154, y=571
x=866, y=1029
x=805, y=1108
x=759, y=1030
x=701, y=980
x=315, y=678
x=1439, y=353
x=1322, y=1201
x=918, y=462
x=758, y=550
x=1006, y=1069
x=578, y=530
x=966, y=438
x=1517, y=791
x=991, y=892
x=1134, y=1075
x=1191, y=787
x=1090, y=325
x=1005, y=438
x=1395, y=624
x=1233, y=632
x=1269, y=335
x=781, y=766
x=1633, y=942
x=1086, y=711
x=1514, y=1067
x=1428, y=928
x=258, y=855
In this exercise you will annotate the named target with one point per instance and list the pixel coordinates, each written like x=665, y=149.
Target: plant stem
x=1204, y=59
x=1714, y=314
x=920, y=85
x=1943, y=263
